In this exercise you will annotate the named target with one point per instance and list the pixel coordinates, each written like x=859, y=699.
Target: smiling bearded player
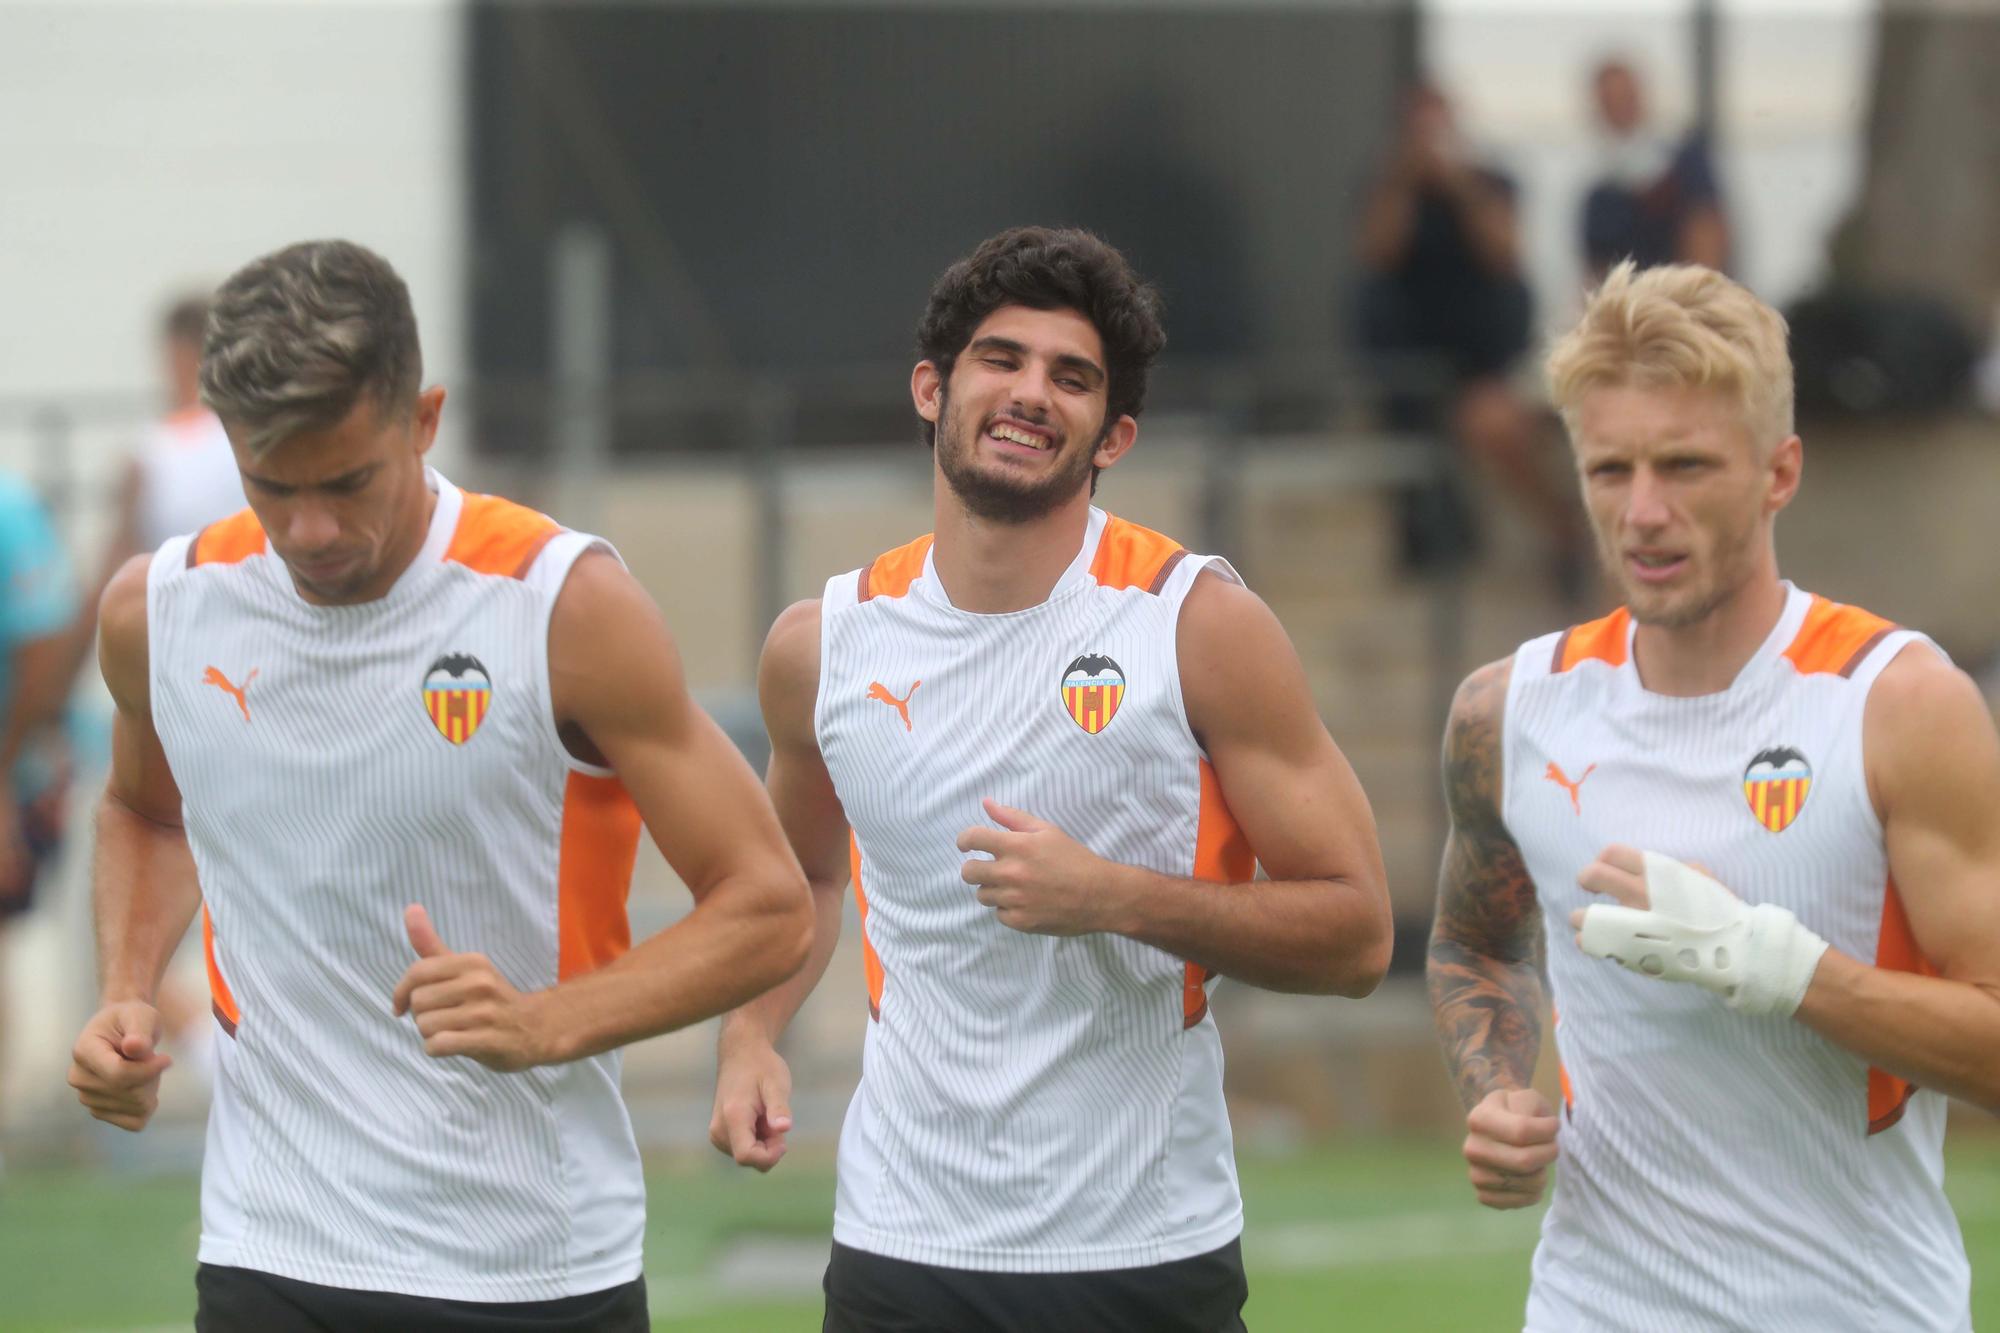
x=1049, y=746
x=1742, y=1142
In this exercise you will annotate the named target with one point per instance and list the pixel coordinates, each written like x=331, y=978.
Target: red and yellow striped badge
x=1776, y=784
x=1092, y=688
x=457, y=695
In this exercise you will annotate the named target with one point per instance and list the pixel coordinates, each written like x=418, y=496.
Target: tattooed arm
x=1486, y=960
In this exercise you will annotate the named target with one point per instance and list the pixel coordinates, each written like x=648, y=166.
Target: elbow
x=1362, y=960
x=782, y=935
x=1364, y=969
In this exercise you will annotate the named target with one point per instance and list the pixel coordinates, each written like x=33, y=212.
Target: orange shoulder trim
x=1129, y=556
x=1836, y=638
x=227, y=540
x=1598, y=641
x=891, y=573
x=497, y=536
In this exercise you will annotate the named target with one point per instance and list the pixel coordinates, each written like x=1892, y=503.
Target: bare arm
x=1320, y=924
x=1486, y=942
x=1704, y=238
x=144, y=889
x=619, y=696
x=808, y=809
x=753, y=1085
x=1934, y=769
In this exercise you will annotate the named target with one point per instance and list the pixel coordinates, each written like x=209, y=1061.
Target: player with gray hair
x=367, y=715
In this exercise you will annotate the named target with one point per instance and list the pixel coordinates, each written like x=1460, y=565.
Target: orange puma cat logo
x=1575, y=789
x=213, y=676
x=877, y=690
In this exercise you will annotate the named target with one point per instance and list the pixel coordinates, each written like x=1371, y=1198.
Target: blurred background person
x=37, y=614
x=1442, y=294
x=182, y=476
x=1654, y=199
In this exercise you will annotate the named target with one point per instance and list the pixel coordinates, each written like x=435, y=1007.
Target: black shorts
x=866, y=1293
x=243, y=1300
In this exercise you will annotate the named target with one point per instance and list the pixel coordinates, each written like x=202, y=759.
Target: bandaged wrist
x=1759, y=959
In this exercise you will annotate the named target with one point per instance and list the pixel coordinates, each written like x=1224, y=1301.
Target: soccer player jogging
x=1743, y=1143
x=386, y=723
x=1048, y=746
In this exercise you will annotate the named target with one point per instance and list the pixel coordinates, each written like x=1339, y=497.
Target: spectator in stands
x=1442, y=287
x=1654, y=199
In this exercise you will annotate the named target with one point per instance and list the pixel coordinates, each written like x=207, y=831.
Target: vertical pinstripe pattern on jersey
x=1019, y=1094
x=1716, y=1170
x=339, y=1152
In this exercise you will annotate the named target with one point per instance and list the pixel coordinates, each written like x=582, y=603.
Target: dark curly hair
x=1050, y=268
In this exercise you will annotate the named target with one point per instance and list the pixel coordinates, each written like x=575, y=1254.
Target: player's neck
x=1706, y=657
x=991, y=568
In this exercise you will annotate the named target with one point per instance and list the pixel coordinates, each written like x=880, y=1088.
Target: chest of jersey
x=1763, y=784
x=1071, y=712
x=350, y=736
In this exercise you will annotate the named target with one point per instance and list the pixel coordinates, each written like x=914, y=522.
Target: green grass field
x=1375, y=1235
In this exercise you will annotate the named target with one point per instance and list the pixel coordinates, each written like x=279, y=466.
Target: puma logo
x=1561, y=779
x=878, y=691
x=214, y=677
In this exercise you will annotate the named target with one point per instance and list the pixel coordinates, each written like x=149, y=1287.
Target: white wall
x=146, y=148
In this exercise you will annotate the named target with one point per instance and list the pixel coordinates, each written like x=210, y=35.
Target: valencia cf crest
x=1776, y=784
x=457, y=693
x=1092, y=689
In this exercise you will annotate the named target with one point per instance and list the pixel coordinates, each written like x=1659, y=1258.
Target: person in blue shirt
x=38, y=624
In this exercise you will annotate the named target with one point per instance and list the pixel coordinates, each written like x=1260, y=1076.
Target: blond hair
x=1679, y=326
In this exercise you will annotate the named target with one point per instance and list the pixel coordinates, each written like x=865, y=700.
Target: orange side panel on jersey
x=871, y=965
x=1129, y=556
x=1222, y=855
x=1895, y=949
x=1562, y=1071
x=600, y=844
x=1835, y=638
x=228, y=540
x=497, y=536
x=219, y=997
x=891, y=573
x=1598, y=641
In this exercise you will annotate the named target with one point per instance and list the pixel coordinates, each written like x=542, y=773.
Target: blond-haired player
x=1742, y=1141
x=393, y=723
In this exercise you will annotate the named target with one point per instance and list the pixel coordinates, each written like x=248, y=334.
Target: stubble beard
x=998, y=496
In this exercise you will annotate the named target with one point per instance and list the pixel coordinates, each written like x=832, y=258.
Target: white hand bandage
x=1758, y=959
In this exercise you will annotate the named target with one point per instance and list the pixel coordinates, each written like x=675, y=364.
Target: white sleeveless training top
x=337, y=764
x=1722, y=1172
x=1027, y=1103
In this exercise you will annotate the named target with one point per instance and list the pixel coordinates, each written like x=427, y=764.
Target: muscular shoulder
x=788, y=671
x=121, y=621
x=1472, y=757
x=1237, y=665
x=600, y=613
x=1927, y=731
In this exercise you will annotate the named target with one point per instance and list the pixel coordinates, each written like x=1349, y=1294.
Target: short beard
x=1732, y=566
x=997, y=497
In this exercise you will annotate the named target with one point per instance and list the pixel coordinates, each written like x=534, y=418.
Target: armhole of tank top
x=547, y=575
x=842, y=592
x=1537, y=654
x=170, y=561
x=1174, y=592
x=1874, y=661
